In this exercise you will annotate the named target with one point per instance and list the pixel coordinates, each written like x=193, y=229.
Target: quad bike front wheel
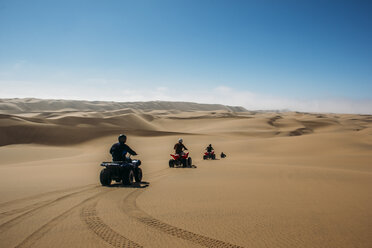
x=105, y=177
x=138, y=175
x=128, y=177
x=171, y=163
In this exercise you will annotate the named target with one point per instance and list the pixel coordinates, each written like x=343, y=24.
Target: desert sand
x=289, y=179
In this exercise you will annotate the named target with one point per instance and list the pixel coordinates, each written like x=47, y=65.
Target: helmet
x=210, y=144
x=180, y=140
x=122, y=137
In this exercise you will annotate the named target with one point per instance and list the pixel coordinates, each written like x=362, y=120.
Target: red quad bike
x=209, y=155
x=178, y=161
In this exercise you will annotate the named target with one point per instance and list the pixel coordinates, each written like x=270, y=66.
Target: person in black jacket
x=119, y=150
x=178, y=147
x=209, y=148
x=223, y=155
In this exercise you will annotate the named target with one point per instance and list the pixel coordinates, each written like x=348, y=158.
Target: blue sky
x=298, y=55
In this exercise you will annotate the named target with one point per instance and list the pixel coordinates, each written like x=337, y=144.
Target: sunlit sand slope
x=289, y=179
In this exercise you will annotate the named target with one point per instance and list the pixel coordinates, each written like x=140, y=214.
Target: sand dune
x=289, y=180
x=23, y=105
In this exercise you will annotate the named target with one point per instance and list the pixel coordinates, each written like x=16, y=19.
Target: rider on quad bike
x=178, y=147
x=122, y=168
x=119, y=150
x=209, y=148
x=180, y=157
x=209, y=153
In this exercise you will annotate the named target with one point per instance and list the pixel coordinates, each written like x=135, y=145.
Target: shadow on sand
x=134, y=185
x=181, y=167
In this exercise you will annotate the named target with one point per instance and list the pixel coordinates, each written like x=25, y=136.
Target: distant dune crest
x=22, y=105
x=63, y=122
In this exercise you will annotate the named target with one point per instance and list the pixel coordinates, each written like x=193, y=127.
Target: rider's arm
x=130, y=151
x=184, y=147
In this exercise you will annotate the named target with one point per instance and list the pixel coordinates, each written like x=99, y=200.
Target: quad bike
x=126, y=171
x=178, y=161
x=209, y=155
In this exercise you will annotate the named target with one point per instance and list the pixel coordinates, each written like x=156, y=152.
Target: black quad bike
x=125, y=171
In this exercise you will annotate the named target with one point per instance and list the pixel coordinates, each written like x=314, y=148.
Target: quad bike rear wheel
x=138, y=175
x=184, y=163
x=213, y=156
x=189, y=162
x=205, y=157
x=171, y=163
x=105, y=177
x=128, y=177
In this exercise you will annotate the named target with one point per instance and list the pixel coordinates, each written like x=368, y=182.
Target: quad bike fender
x=136, y=162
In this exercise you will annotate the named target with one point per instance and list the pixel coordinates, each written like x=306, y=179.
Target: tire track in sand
x=94, y=223
x=18, y=219
x=31, y=209
x=40, y=203
x=129, y=207
x=39, y=233
x=34, y=197
x=90, y=217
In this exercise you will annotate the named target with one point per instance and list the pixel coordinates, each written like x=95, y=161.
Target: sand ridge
x=289, y=180
x=24, y=105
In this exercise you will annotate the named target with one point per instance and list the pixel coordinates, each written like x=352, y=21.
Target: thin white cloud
x=19, y=64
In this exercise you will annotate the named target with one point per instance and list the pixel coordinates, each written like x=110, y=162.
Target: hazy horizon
x=312, y=56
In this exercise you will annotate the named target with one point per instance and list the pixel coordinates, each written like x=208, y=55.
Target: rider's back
x=118, y=151
x=178, y=147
